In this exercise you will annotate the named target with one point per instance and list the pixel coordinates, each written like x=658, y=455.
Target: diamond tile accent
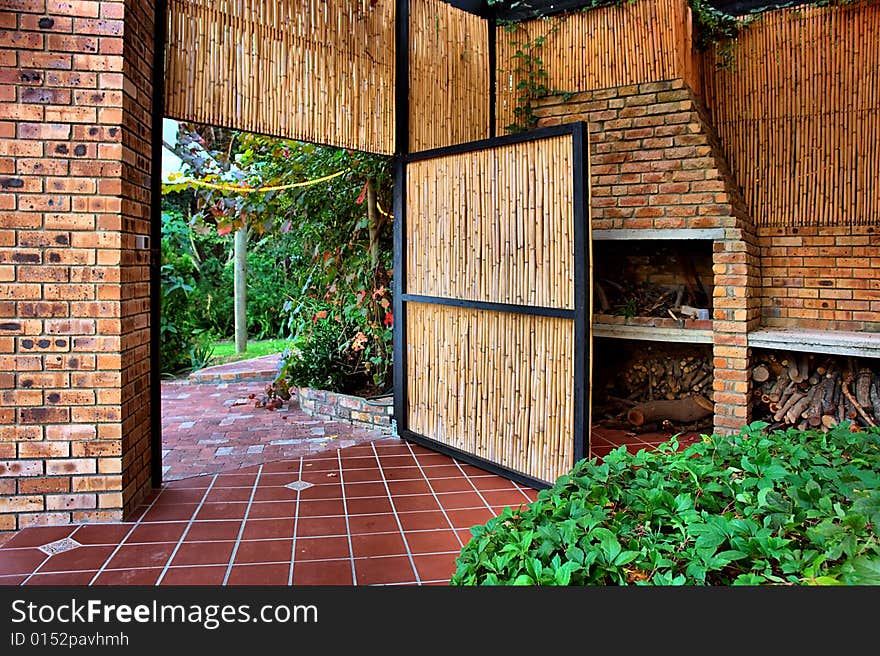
x=299, y=486
x=59, y=546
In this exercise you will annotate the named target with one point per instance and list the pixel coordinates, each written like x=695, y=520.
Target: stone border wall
x=356, y=410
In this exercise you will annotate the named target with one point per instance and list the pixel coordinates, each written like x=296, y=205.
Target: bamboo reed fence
x=493, y=225
x=604, y=47
x=798, y=114
x=324, y=72
x=448, y=75
x=307, y=70
x=493, y=384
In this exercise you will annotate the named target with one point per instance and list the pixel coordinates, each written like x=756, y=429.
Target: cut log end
x=760, y=373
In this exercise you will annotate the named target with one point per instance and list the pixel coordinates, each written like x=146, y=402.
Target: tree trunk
x=240, y=290
x=375, y=225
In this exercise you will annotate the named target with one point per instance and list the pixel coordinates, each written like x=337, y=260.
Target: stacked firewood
x=667, y=377
x=811, y=391
x=661, y=391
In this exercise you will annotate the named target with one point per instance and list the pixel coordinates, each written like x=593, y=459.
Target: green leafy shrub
x=175, y=329
x=316, y=357
x=784, y=508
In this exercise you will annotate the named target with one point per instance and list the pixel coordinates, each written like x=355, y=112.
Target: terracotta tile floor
x=385, y=512
x=381, y=513
x=213, y=427
x=254, y=497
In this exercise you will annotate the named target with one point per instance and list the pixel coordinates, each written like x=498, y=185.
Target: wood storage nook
x=643, y=386
x=815, y=390
x=492, y=335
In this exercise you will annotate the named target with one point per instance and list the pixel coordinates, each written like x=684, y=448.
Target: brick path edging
x=368, y=413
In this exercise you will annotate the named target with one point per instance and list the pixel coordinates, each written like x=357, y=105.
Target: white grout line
x=241, y=528
x=295, y=526
x=121, y=542
x=519, y=487
x=412, y=561
x=434, y=494
x=345, y=510
x=186, y=530
x=476, y=489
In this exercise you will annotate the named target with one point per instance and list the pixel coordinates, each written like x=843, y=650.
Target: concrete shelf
x=659, y=233
x=652, y=333
x=832, y=342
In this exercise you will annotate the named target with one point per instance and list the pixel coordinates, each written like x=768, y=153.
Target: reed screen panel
x=491, y=350
x=636, y=42
x=493, y=384
x=448, y=75
x=493, y=225
x=307, y=70
x=798, y=114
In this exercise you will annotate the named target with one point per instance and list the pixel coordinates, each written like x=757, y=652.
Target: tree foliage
x=336, y=234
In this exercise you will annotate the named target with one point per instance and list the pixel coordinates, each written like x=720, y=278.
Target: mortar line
x=476, y=489
x=412, y=561
x=434, y=494
x=118, y=546
x=186, y=529
x=241, y=528
x=295, y=526
x=347, y=526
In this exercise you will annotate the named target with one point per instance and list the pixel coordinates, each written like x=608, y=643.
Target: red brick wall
x=135, y=289
x=72, y=284
x=656, y=164
x=821, y=278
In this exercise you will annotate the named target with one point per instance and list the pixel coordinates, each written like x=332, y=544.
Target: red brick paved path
x=263, y=368
x=209, y=428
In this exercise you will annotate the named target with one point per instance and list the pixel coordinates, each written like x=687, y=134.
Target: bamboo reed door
x=492, y=334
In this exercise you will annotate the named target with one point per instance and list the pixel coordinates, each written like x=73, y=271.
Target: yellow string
x=247, y=190
x=381, y=211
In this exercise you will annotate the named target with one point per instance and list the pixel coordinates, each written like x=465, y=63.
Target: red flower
x=389, y=320
x=320, y=315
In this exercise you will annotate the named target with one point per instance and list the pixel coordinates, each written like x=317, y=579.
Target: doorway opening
x=275, y=279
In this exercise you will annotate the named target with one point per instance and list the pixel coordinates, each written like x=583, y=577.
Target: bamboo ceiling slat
x=644, y=41
x=493, y=384
x=308, y=70
x=494, y=225
x=449, y=75
x=798, y=114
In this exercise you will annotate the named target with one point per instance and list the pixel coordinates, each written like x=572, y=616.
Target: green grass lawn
x=225, y=351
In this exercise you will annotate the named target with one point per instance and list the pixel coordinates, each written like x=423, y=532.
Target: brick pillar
x=74, y=344
x=737, y=299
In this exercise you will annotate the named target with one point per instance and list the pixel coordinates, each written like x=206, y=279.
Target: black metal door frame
x=580, y=314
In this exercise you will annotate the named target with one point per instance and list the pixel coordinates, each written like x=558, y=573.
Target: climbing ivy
x=531, y=85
